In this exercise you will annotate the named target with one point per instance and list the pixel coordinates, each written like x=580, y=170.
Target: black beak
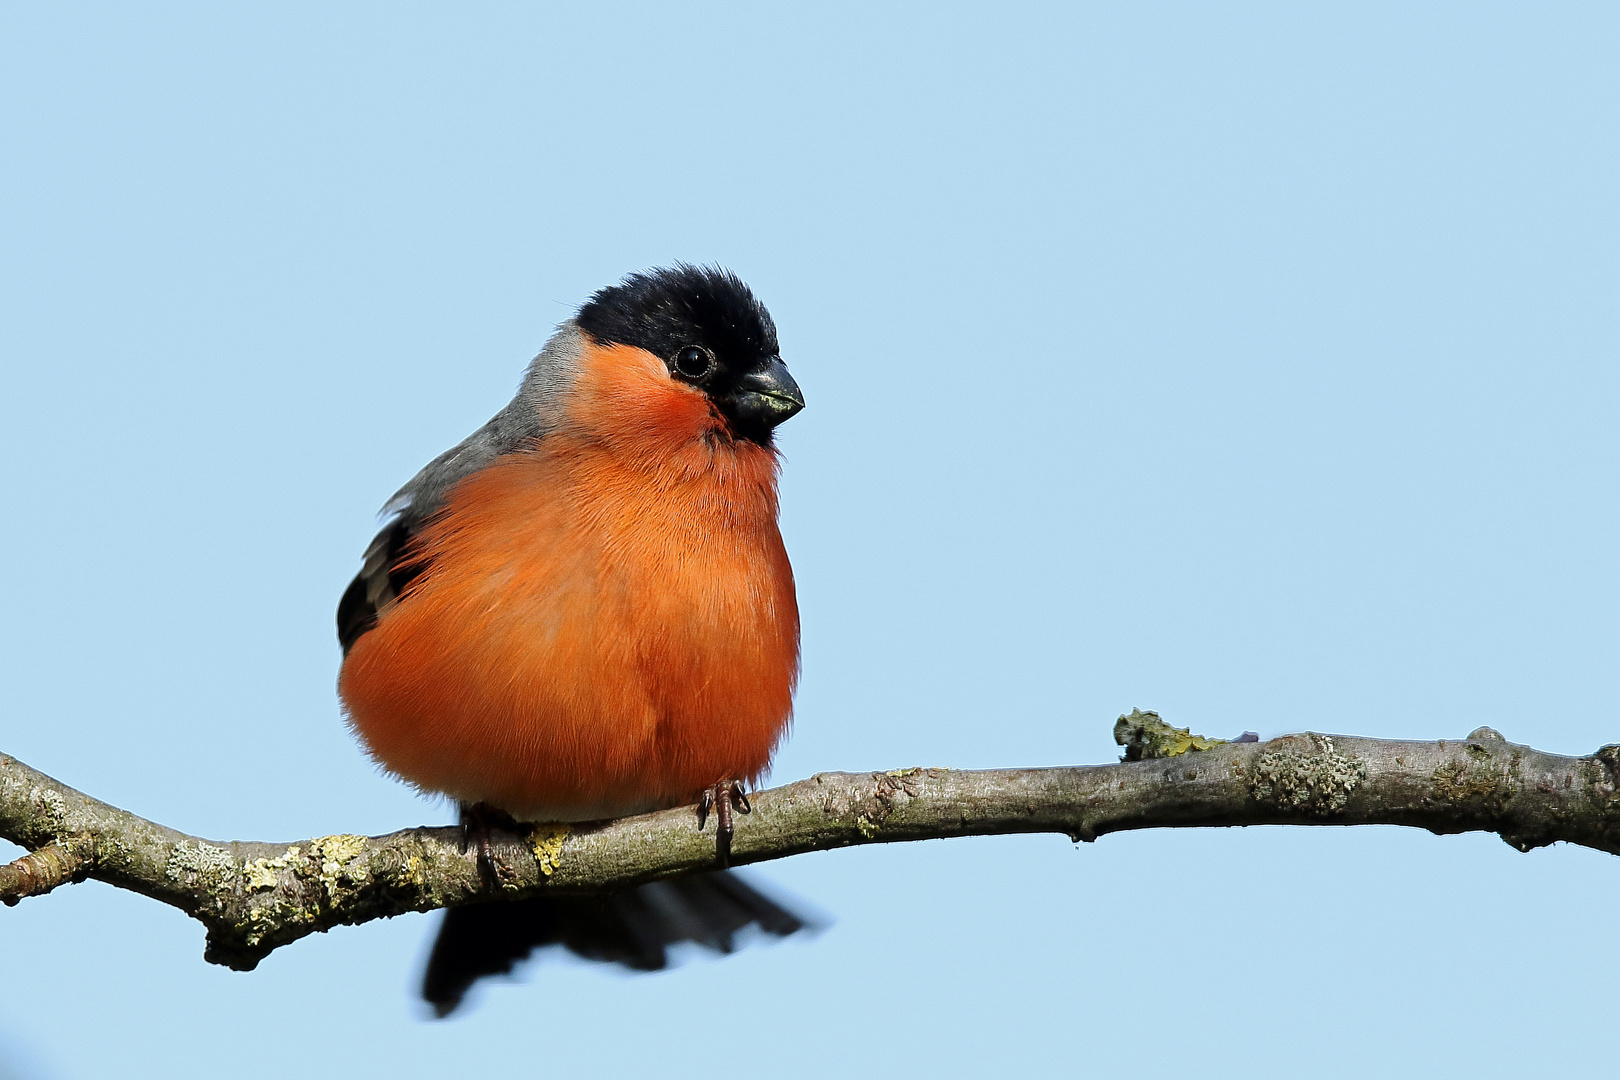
x=767, y=397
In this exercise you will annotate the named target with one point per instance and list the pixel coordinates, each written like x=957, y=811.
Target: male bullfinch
x=584, y=610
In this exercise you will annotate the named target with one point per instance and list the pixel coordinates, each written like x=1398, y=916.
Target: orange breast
x=606, y=623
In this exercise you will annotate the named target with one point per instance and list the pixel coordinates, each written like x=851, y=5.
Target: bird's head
x=711, y=336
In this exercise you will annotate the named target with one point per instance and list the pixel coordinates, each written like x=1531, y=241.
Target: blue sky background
x=1253, y=363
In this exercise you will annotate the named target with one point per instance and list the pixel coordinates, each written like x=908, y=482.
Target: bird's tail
x=634, y=928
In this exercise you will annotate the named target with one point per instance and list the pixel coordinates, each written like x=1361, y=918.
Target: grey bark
x=255, y=897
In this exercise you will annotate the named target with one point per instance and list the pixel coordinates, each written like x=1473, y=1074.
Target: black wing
x=382, y=577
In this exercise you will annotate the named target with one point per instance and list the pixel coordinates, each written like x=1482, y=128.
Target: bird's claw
x=478, y=824
x=723, y=798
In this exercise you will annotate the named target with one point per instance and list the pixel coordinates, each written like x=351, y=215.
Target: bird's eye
x=693, y=362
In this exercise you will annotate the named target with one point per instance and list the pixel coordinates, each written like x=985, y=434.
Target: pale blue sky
x=1254, y=363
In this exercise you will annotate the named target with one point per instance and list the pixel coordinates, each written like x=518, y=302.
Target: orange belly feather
x=606, y=622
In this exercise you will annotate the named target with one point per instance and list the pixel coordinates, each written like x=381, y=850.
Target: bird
x=585, y=610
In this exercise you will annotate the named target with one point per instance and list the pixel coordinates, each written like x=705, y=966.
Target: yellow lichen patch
x=1183, y=741
x=546, y=841
x=1146, y=735
x=262, y=873
x=868, y=827
x=270, y=915
x=333, y=852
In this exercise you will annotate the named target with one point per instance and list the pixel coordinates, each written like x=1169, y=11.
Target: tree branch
x=256, y=897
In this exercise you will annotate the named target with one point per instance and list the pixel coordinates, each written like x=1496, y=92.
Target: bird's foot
x=723, y=798
x=478, y=824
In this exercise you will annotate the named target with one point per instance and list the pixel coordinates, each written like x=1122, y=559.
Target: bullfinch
x=585, y=610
